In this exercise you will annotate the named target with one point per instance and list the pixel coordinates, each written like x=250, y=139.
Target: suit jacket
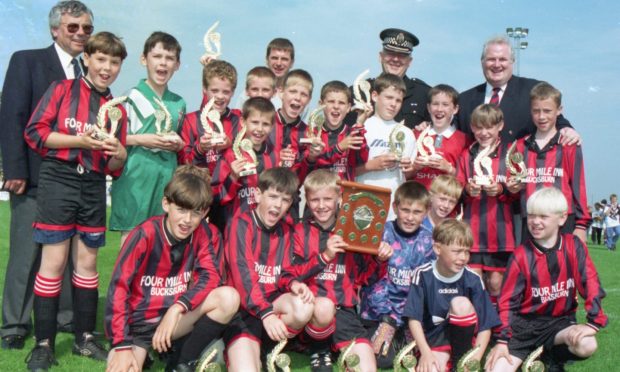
x=515, y=104
x=28, y=76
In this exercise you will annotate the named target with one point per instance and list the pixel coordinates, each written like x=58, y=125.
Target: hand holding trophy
x=212, y=43
x=426, y=146
x=243, y=145
x=210, y=116
x=113, y=113
x=315, y=126
x=278, y=359
x=483, y=166
x=362, y=86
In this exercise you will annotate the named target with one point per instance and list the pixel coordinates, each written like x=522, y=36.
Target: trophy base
x=247, y=172
x=306, y=141
x=217, y=141
x=482, y=180
x=436, y=157
x=170, y=136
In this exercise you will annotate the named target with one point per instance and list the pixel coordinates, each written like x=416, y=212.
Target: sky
x=574, y=45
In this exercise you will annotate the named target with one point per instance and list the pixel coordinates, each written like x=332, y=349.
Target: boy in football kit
x=447, y=141
x=549, y=163
x=151, y=158
x=71, y=194
x=219, y=80
x=258, y=245
x=383, y=300
x=166, y=282
x=448, y=309
x=341, y=147
x=335, y=319
x=384, y=168
x=487, y=208
x=538, y=300
x=235, y=193
x=445, y=193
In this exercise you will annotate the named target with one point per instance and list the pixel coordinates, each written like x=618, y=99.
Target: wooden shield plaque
x=362, y=215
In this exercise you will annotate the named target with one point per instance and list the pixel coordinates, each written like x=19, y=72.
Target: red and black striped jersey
x=545, y=282
x=71, y=107
x=153, y=272
x=490, y=217
x=255, y=256
x=193, y=130
x=284, y=134
x=449, y=146
x=340, y=279
x=238, y=196
x=343, y=163
x=556, y=165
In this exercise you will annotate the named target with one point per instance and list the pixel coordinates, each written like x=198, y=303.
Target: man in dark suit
x=28, y=76
x=395, y=59
x=512, y=95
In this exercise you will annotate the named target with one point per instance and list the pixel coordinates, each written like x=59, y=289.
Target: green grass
x=604, y=360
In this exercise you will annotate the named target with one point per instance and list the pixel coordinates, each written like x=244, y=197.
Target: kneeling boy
x=448, y=309
x=538, y=301
x=166, y=281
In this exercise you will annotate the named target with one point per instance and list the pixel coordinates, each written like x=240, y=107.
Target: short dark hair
x=412, y=191
x=486, y=115
x=544, y=90
x=190, y=188
x=260, y=104
x=446, y=89
x=335, y=86
x=168, y=42
x=282, y=44
x=282, y=179
x=386, y=80
x=106, y=43
x=451, y=231
x=260, y=72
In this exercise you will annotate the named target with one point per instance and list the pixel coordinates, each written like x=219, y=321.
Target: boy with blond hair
x=445, y=193
x=335, y=318
x=448, y=309
x=538, y=301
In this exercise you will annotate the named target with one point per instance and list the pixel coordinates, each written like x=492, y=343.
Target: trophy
x=212, y=43
x=114, y=114
x=426, y=146
x=361, y=85
x=467, y=363
x=275, y=359
x=209, y=114
x=530, y=364
x=163, y=115
x=515, y=163
x=404, y=360
x=396, y=140
x=243, y=145
x=205, y=363
x=361, y=218
x=315, y=126
x=348, y=361
x=483, y=166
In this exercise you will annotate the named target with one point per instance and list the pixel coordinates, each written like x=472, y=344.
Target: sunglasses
x=74, y=27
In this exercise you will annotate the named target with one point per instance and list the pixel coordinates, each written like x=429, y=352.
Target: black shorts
x=348, y=326
x=530, y=332
x=142, y=333
x=496, y=261
x=243, y=324
x=70, y=200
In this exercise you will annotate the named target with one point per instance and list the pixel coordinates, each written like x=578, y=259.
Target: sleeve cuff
x=265, y=313
x=593, y=326
x=185, y=304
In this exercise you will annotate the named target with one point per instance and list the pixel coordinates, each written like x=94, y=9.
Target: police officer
x=395, y=59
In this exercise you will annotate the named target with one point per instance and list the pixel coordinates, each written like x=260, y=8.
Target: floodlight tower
x=516, y=34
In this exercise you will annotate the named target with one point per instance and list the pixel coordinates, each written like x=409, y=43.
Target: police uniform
x=413, y=110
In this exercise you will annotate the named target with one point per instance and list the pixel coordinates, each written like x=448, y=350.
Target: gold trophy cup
x=113, y=113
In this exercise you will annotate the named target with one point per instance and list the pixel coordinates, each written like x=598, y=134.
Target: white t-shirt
x=377, y=138
x=612, y=219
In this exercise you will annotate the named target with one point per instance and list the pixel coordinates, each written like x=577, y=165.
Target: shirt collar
x=446, y=133
x=531, y=144
x=65, y=58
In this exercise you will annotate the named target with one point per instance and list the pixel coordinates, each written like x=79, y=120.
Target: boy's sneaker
x=321, y=362
x=41, y=358
x=89, y=347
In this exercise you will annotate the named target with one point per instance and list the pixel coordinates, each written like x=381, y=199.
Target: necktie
x=495, y=97
x=77, y=71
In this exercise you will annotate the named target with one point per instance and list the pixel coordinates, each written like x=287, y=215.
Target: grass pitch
x=605, y=359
